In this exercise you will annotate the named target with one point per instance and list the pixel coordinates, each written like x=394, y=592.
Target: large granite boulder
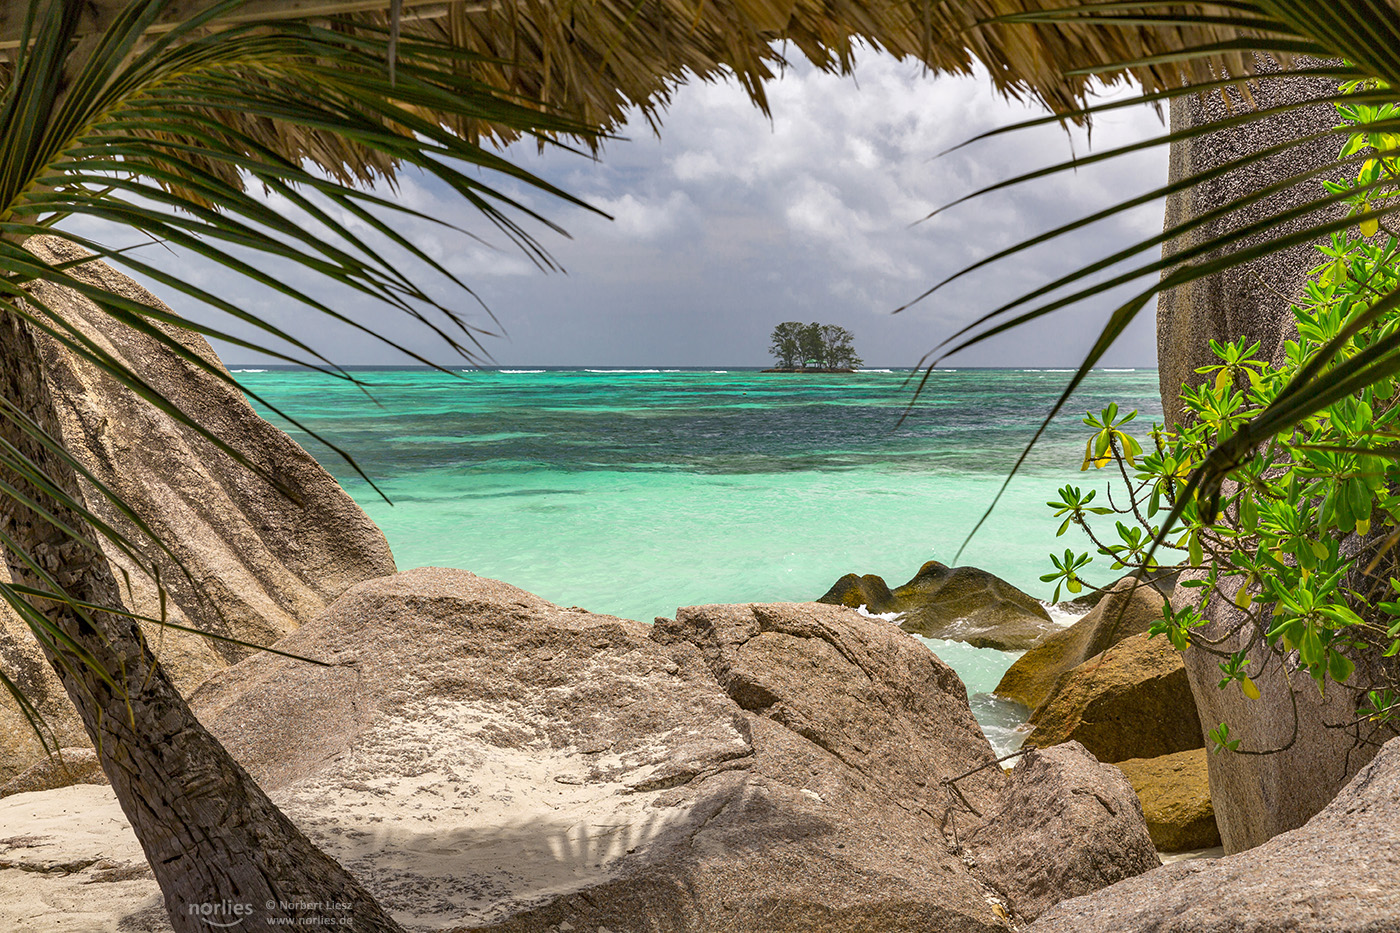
x=957, y=603
x=875, y=699
x=476, y=749
x=1175, y=794
x=259, y=563
x=482, y=759
x=1131, y=701
x=68, y=766
x=1128, y=608
x=1063, y=824
x=1335, y=873
x=1253, y=300
x=1257, y=797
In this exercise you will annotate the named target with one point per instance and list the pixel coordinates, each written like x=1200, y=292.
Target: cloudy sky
x=730, y=223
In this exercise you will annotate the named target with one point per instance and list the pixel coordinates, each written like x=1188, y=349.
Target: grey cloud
x=731, y=223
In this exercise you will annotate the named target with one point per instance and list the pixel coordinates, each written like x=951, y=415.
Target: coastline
x=824, y=372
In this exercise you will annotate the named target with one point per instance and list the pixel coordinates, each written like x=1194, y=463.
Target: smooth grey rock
x=1066, y=824
x=261, y=563
x=1335, y=873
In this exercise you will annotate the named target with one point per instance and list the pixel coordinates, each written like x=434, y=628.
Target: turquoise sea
x=633, y=491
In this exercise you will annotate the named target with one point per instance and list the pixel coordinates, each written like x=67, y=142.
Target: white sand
x=70, y=862
x=449, y=818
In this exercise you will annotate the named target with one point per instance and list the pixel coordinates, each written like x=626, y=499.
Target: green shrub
x=1302, y=538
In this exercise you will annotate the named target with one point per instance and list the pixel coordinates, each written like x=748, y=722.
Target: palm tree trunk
x=220, y=849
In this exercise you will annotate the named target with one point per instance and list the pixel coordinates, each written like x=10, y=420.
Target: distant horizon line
x=672, y=367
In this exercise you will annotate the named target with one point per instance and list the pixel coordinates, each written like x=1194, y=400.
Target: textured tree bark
x=220, y=849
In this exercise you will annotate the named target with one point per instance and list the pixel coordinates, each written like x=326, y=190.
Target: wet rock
x=855, y=591
x=957, y=603
x=971, y=605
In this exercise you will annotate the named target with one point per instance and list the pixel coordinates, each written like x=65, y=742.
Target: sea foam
x=885, y=616
x=1063, y=617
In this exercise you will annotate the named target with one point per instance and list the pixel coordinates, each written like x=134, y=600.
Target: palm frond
x=1359, y=35
x=149, y=130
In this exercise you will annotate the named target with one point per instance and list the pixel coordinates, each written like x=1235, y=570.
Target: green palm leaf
x=147, y=131
x=165, y=132
x=1365, y=36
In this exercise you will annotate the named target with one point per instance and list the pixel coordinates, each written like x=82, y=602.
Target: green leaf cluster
x=795, y=345
x=1292, y=536
x=145, y=129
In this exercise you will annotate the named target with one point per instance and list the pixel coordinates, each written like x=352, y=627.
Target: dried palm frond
x=593, y=61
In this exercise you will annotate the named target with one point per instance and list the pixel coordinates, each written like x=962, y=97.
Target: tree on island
x=786, y=344
x=813, y=346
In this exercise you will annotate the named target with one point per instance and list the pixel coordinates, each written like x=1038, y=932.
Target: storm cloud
x=731, y=222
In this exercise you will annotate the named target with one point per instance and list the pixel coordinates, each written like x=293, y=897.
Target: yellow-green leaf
x=1243, y=598
x=1248, y=688
x=1370, y=227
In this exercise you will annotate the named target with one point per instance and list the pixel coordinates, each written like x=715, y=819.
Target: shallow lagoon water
x=635, y=490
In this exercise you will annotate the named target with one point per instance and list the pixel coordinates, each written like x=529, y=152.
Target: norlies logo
x=221, y=913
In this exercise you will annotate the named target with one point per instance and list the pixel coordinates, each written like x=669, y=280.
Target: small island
x=812, y=348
